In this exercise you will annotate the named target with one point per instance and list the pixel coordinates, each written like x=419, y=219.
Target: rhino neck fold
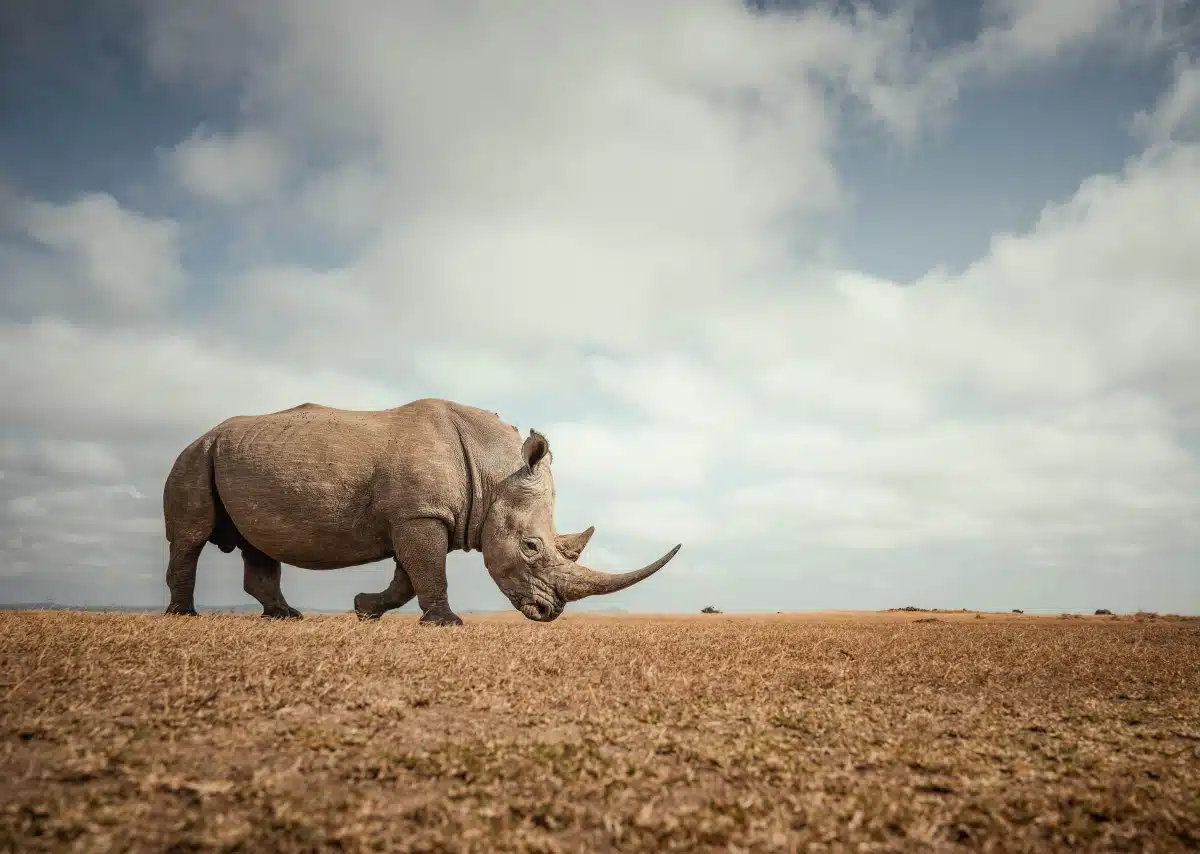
x=468, y=530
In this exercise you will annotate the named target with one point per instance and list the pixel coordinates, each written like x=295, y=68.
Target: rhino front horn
x=579, y=582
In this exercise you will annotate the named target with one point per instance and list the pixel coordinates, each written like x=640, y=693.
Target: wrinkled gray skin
x=323, y=488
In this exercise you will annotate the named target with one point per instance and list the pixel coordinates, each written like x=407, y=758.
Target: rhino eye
x=531, y=546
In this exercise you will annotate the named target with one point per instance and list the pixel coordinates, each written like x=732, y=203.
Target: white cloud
x=231, y=169
x=611, y=458
x=66, y=500
x=1176, y=116
x=1022, y=31
x=85, y=461
x=1026, y=28
x=111, y=258
x=109, y=385
x=347, y=201
x=1023, y=37
x=1038, y=395
x=91, y=529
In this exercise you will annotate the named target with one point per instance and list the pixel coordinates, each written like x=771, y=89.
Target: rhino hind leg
x=372, y=606
x=190, y=510
x=260, y=578
x=181, y=577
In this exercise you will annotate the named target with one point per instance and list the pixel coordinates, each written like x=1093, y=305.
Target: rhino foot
x=441, y=617
x=364, y=611
x=288, y=613
x=180, y=611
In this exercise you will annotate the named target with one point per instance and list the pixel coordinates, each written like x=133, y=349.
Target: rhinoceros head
x=535, y=567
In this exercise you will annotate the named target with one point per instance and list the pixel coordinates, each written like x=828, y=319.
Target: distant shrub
x=1018, y=611
x=1102, y=612
x=709, y=609
x=908, y=608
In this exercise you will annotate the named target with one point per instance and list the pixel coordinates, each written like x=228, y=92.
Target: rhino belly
x=300, y=513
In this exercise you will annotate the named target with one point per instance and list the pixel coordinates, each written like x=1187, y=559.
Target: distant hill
x=137, y=609
x=142, y=609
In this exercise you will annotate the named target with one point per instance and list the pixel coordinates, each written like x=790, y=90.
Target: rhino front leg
x=372, y=606
x=260, y=578
x=420, y=547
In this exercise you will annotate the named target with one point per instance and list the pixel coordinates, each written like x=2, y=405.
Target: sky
x=868, y=305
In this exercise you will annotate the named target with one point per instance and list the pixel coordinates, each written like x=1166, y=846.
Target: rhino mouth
x=540, y=604
x=542, y=610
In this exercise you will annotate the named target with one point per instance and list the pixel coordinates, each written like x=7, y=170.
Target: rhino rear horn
x=571, y=546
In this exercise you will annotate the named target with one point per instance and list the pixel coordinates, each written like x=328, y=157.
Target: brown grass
x=709, y=733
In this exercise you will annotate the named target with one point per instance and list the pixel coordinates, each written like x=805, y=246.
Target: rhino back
x=321, y=488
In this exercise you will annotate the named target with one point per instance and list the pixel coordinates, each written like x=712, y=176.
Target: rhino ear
x=535, y=449
x=571, y=546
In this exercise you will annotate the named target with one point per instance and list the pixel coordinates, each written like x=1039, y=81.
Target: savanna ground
x=715, y=733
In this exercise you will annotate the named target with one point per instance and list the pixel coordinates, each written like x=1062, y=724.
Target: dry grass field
x=875, y=732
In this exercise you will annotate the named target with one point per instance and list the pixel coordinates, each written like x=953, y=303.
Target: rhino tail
x=225, y=535
x=192, y=506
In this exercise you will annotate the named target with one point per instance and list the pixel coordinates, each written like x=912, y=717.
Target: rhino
x=324, y=488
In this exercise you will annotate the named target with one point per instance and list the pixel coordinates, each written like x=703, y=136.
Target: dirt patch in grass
x=228, y=733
